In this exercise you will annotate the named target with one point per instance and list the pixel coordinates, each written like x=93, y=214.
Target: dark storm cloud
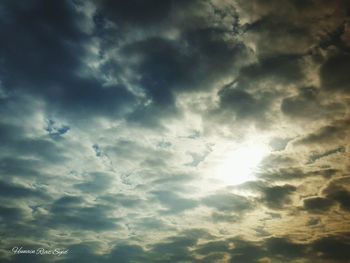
x=41, y=148
x=140, y=13
x=283, y=68
x=202, y=52
x=44, y=55
x=339, y=194
x=16, y=191
x=10, y=132
x=243, y=104
x=334, y=73
x=307, y=105
x=284, y=249
x=17, y=142
x=273, y=196
x=247, y=97
x=318, y=204
x=277, y=196
x=216, y=56
x=343, y=197
x=252, y=94
x=73, y=212
x=164, y=66
x=336, y=248
x=21, y=167
x=12, y=214
x=245, y=251
x=194, y=62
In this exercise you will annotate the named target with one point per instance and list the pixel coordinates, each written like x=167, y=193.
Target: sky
x=175, y=131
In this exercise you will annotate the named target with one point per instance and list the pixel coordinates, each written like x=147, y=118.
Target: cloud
x=318, y=204
x=330, y=133
x=50, y=69
x=277, y=196
x=100, y=182
x=83, y=251
x=127, y=253
x=307, y=105
x=284, y=68
x=314, y=157
x=243, y=104
x=56, y=131
x=246, y=251
x=333, y=73
x=284, y=248
x=115, y=116
x=339, y=194
x=16, y=191
x=173, y=202
x=228, y=202
x=10, y=215
x=73, y=212
x=279, y=144
x=334, y=248
x=137, y=14
x=21, y=167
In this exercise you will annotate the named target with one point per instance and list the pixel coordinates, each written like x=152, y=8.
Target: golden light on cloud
x=240, y=164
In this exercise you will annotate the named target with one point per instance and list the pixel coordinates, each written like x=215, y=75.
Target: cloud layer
x=115, y=117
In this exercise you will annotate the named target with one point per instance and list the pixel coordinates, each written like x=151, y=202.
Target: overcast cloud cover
x=115, y=116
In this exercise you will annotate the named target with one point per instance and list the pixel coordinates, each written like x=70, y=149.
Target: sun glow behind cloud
x=240, y=164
